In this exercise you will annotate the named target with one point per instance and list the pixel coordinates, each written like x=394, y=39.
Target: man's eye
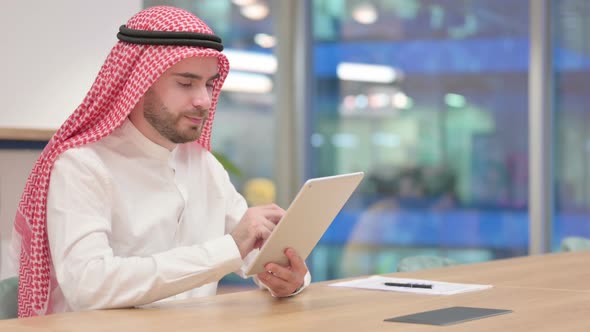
x=186, y=85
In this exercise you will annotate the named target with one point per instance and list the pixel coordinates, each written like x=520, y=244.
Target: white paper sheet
x=438, y=287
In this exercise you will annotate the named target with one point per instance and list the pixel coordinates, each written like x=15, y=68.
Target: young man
x=126, y=205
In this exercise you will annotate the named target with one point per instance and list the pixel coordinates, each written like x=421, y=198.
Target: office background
x=437, y=101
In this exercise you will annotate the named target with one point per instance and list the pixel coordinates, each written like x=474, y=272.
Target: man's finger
x=278, y=286
x=267, y=224
x=296, y=262
x=271, y=207
x=281, y=272
x=273, y=215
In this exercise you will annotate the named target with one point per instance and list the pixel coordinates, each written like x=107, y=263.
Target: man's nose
x=202, y=100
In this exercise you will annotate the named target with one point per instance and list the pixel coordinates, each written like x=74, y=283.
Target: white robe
x=130, y=222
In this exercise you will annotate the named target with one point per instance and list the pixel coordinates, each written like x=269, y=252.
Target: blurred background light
x=265, y=40
x=365, y=13
x=251, y=61
x=255, y=11
x=455, y=100
x=247, y=83
x=348, y=71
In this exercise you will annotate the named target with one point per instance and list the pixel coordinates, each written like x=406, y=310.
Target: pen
x=410, y=285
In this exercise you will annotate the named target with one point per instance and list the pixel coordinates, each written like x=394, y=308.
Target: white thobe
x=130, y=222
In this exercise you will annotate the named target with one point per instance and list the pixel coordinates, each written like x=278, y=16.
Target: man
x=126, y=205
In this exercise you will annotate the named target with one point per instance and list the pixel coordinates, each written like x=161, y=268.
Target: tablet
x=314, y=208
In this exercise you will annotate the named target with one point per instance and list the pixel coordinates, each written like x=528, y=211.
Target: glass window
x=571, y=58
x=430, y=99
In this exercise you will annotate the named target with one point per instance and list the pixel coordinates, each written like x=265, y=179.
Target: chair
x=9, y=298
x=415, y=263
x=575, y=243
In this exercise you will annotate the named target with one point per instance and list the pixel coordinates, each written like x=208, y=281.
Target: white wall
x=50, y=54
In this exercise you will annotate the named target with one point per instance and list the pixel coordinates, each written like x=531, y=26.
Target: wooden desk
x=26, y=134
x=555, y=271
x=541, y=290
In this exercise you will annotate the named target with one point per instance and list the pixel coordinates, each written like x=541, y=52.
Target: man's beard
x=166, y=123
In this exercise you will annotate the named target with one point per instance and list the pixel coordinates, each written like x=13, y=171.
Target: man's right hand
x=255, y=227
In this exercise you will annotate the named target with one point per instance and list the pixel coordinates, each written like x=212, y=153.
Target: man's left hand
x=284, y=280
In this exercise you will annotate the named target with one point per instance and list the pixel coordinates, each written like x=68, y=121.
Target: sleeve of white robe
x=90, y=275
x=238, y=207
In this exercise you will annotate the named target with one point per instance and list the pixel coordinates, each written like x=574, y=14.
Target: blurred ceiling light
x=247, y=83
x=455, y=100
x=348, y=71
x=365, y=13
x=349, y=102
x=317, y=140
x=361, y=101
x=401, y=100
x=255, y=11
x=251, y=61
x=378, y=100
x=243, y=2
x=265, y=40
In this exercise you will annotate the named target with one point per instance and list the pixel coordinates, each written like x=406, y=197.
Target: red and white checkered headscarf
x=129, y=70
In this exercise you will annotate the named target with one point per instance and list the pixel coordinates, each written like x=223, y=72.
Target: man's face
x=177, y=104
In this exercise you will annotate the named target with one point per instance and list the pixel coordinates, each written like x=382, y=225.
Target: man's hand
x=284, y=280
x=255, y=227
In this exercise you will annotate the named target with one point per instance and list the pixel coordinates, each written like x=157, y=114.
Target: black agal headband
x=169, y=38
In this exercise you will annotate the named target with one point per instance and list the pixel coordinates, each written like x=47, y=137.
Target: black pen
x=410, y=285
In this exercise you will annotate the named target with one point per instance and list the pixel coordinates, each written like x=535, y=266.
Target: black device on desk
x=448, y=316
